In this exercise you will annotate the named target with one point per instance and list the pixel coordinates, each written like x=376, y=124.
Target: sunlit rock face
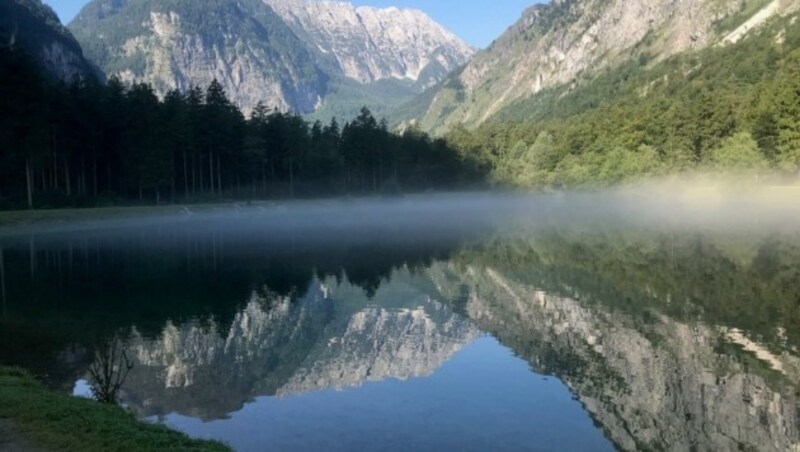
x=177, y=45
x=283, y=346
x=371, y=44
x=659, y=384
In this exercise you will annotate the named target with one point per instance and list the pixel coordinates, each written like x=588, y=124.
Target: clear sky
x=476, y=21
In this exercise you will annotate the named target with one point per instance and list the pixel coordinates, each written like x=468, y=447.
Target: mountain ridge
x=399, y=43
x=288, y=54
x=566, y=41
x=35, y=28
x=178, y=44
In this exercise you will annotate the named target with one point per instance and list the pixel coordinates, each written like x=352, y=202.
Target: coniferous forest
x=92, y=144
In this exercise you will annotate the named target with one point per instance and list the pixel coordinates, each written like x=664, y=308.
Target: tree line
x=92, y=143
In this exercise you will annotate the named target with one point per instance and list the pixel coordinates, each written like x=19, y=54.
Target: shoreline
x=33, y=417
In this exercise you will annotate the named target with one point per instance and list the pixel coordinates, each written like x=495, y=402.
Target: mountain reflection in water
x=283, y=346
x=657, y=338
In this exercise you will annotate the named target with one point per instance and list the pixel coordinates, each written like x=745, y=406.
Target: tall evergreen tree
x=787, y=118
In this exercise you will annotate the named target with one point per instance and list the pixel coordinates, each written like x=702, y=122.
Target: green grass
x=27, y=217
x=33, y=220
x=62, y=422
x=44, y=220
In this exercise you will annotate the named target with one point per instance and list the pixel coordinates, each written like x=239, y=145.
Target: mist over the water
x=437, y=216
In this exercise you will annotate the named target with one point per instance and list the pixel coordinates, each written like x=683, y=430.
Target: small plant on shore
x=109, y=370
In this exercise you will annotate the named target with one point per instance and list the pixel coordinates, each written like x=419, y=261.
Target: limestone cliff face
x=371, y=44
x=175, y=45
x=34, y=28
x=289, y=54
x=660, y=385
x=280, y=346
x=555, y=44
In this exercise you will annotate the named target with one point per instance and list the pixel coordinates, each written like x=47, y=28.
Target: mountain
x=35, y=29
x=370, y=44
x=291, y=54
x=567, y=43
x=179, y=43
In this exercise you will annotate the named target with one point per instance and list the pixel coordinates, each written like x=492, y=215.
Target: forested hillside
x=731, y=105
x=729, y=108
x=92, y=144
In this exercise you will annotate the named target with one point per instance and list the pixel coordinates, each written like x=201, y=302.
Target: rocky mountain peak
x=371, y=44
x=290, y=54
x=174, y=45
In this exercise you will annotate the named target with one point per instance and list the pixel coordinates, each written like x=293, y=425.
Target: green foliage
x=346, y=98
x=727, y=107
x=747, y=8
x=742, y=281
x=62, y=422
x=738, y=153
x=787, y=115
x=621, y=164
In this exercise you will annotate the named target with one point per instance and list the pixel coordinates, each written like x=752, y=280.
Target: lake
x=464, y=321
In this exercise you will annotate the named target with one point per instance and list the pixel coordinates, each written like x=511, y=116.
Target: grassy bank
x=13, y=222
x=38, y=216
x=56, y=421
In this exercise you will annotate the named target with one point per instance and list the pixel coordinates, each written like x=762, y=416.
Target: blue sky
x=477, y=21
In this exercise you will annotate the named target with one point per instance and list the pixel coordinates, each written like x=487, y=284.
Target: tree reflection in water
x=109, y=370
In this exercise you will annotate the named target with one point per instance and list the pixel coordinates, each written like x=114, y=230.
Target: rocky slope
x=290, y=54
x=371, y=44
x=177, y=44
x=34, y=28
x=568, y=41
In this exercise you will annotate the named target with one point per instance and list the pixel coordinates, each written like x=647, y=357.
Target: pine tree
x=787, y=118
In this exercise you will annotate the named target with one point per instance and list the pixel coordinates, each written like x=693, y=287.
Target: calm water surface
x=466, y=323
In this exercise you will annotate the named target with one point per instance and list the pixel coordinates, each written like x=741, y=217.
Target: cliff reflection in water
x=331, y=337
x=674, y=339
x=671, y=341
